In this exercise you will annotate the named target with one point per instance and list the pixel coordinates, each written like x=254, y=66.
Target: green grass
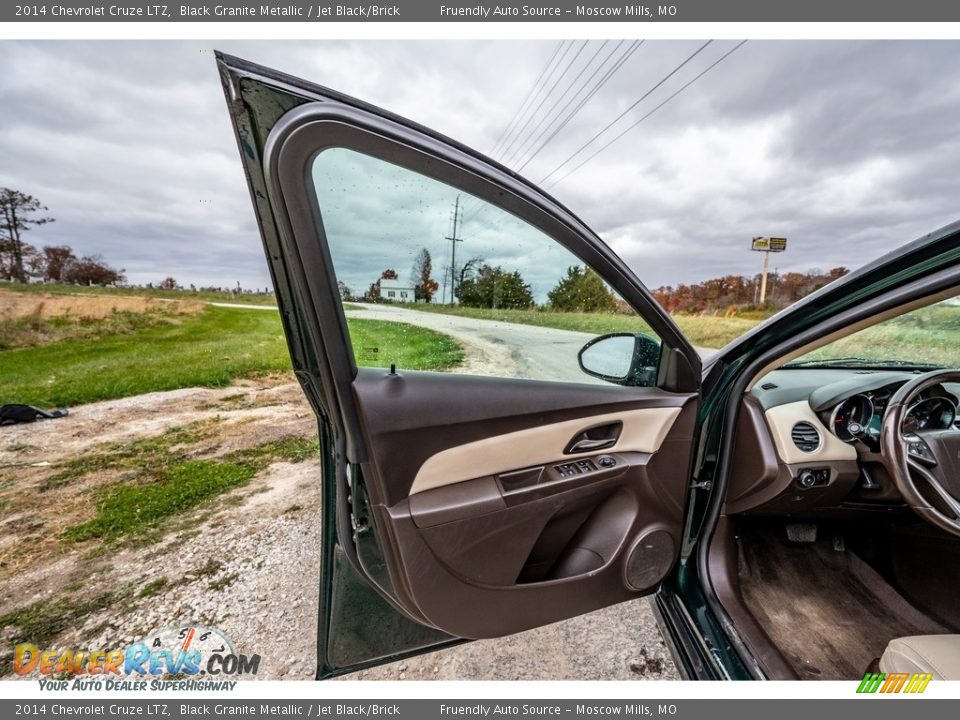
x=224, y=582
x=160, y=477
x=152, y=587
x=127, y=509
x=139, y=456
x=227, y=297
x=702, y=331
x=42, y=621
x=291, y=448
x=378, y=343
x=209, y=349
x=210, y=567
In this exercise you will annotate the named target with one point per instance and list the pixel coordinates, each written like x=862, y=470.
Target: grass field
x=227, y=297
x=703, y=331
x=209, y=349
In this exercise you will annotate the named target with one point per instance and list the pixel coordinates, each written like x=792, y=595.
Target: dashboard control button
x=807, y=479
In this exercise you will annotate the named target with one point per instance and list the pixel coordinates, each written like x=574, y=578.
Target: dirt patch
x=194, y=568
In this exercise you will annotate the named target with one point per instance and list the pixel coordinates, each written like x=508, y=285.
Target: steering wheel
x=924, y=457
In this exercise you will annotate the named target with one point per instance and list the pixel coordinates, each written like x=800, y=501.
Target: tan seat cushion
x=936, y=654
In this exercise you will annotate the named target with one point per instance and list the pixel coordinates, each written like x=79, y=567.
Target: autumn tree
x=494, y=287
x=730, y=291
x=92, y=270
x=582, y=290
x=57, y=259
x=20, y=212
x=424, y=286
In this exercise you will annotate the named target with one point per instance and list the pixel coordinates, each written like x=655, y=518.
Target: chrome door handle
x=587, y=445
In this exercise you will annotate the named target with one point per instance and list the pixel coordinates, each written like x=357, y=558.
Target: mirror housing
x=629, y=359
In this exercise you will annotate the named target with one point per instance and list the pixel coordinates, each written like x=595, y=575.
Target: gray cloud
x=848, y=148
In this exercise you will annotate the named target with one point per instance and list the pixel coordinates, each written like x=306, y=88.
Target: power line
x=628, y=110
x=530, y=94
x=534, y=91
x=671, y=97
x=548, y=116
x=472, y=211
x=609, y=74
x=618, y=63
x=530, y=117
x=563, y=50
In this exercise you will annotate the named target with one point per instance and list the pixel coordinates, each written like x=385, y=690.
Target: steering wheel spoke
x=918, y=450
x=948, y=499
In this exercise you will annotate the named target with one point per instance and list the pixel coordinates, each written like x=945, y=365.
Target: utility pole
x=453, y=249
x=763, y=277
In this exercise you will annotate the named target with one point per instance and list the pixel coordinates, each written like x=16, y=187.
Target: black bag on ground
x=13, y=414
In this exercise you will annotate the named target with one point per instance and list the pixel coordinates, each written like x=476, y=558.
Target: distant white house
x=397, y=291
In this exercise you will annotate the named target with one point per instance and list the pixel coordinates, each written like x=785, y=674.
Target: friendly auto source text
x=483, y=11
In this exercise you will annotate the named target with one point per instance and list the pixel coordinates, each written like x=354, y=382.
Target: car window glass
x=927, y=336
x=433, y=278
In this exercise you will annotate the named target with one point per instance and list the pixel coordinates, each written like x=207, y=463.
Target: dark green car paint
x=706, y=644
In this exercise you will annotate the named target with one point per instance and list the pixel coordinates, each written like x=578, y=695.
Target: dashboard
x=808, y=440
x=859, y=417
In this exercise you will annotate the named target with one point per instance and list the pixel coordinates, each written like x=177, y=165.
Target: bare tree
x=19, y=215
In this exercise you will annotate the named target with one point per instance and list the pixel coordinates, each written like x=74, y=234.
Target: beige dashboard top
x=781, y=420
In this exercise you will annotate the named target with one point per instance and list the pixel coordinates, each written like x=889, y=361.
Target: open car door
x=537, y=480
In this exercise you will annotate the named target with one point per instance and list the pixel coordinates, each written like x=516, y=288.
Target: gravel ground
x=248, y=563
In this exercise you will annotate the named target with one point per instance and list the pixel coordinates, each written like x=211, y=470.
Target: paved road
x=541, y=353
x=494, y=347
x=528, y=351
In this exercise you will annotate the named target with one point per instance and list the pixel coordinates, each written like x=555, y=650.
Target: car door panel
x=450, y=506
x=500, y=531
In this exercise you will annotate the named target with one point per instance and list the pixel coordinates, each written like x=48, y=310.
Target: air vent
x=769, y=386
x=805, y=436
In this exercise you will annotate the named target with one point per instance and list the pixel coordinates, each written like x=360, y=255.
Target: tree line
x=477, y=283
x=482, y=285
x=21, y=261
x=732, y=292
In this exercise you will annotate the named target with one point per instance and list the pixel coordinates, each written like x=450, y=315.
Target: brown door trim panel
x=520, y=538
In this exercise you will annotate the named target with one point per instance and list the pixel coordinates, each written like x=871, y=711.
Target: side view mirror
x=622, y=358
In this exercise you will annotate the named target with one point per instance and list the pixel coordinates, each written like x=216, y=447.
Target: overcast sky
x=849, y=149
